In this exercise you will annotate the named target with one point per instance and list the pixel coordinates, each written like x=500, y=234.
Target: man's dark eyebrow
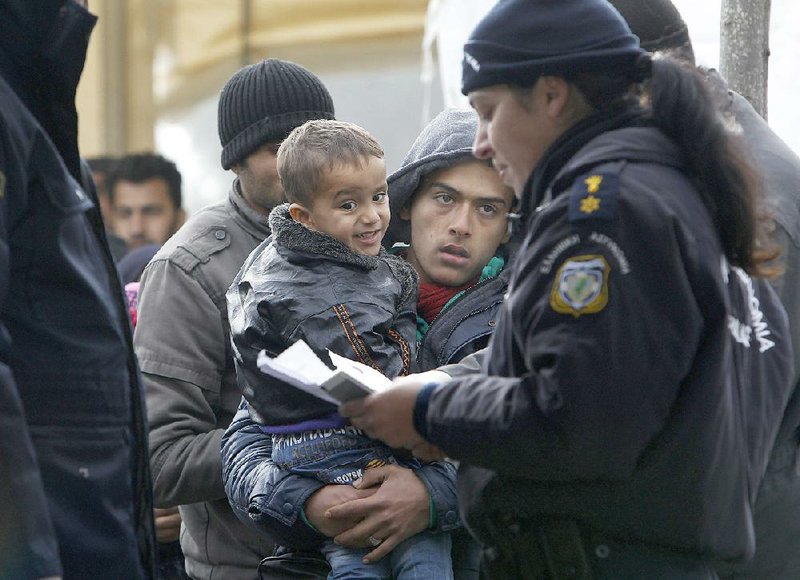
x=452, y=190
x=441, y=185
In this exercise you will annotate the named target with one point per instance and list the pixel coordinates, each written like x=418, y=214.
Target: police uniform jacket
x=75, y=494
x=635, y=380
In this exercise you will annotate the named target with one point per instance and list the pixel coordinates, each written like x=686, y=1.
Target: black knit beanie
x=520, y=40
x=657, y=23
x=263, y=102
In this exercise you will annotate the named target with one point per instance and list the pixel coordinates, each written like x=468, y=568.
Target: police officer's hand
x=388, y=415
x=399, y=509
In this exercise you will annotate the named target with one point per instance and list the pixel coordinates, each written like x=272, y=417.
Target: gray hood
x=446, y=141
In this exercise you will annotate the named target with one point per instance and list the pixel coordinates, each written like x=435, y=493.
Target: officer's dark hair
x=675, y=98
x=141, y=167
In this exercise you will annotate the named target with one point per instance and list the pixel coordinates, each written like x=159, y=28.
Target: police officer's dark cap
x=520, y=40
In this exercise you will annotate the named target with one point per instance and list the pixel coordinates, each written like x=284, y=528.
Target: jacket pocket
x=88, y=482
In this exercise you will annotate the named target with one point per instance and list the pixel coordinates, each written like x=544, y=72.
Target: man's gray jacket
x=184, y=351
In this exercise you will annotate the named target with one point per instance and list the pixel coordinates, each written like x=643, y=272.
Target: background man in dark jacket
x=75, y=497
x=144, y=191
x=660, y=27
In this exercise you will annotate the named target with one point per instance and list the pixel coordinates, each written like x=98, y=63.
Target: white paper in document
x=300, y=367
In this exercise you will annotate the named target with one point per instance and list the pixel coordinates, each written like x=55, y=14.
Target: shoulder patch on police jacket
x=581, y=286
x=594, y=196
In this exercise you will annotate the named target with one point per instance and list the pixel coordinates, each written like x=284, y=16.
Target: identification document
x=300, y=367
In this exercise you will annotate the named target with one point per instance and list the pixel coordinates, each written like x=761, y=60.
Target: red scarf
x=433, y=297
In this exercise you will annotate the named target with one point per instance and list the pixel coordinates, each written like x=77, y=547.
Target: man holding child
x=452, y=208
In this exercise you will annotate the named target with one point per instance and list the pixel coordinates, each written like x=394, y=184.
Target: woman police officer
x=625, y=410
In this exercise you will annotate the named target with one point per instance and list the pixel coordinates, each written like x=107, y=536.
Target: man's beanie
x=520, y=40
x=657, y=23
x=263, y=102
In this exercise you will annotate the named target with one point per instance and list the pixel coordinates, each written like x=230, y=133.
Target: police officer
x=625, y=410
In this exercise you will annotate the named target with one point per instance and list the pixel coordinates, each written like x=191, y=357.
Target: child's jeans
x=340, y=456
x=332, y=455
x=425, y=556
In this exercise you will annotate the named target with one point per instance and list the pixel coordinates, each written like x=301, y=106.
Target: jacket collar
x=565, y=148
x=295, y=236
x=253, y=222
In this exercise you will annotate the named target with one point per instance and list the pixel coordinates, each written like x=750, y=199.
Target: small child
x=324, y=277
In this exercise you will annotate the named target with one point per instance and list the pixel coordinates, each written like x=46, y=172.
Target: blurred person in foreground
x=75, y=493
x=639, y=341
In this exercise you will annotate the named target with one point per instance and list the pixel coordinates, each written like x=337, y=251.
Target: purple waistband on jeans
x=332, y=421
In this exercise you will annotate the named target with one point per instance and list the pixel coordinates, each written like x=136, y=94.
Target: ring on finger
x=374, y=541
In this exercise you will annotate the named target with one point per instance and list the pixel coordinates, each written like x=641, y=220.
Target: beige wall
x=150, y=58
x=115, y=97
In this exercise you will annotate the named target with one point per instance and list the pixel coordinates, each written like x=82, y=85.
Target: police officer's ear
x=300, y=214
x=555, y=93
x=564, y=102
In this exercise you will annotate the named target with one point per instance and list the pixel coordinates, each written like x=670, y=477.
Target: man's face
x=458, y=219
x=144, y=213
x=258, y=178
x=351, y=205
x=512, y=133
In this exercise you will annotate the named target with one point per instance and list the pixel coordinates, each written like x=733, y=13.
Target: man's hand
x=321, y=501
x=168, y=524
x=399, y=509
x=388, y=415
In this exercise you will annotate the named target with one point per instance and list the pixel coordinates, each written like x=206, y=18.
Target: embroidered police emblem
x=581, y=286
x=594, y=196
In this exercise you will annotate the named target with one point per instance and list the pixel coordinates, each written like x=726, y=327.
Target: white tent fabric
x=447, y=27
